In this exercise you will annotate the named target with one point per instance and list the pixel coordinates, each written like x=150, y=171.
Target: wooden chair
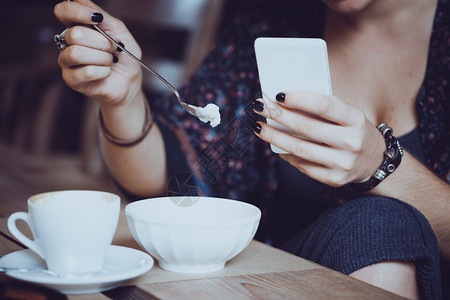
x=29, y=100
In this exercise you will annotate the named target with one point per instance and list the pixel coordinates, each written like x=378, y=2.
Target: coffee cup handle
x=19, y=235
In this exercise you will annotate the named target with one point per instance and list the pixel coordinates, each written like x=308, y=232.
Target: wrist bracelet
x=148, y=123
x=392, y=158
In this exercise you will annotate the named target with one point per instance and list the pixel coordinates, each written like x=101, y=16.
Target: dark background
x=28, y=66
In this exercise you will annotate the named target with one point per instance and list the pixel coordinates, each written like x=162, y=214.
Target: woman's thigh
x=369, y=230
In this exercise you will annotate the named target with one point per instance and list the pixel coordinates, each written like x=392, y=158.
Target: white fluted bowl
x=198, y=238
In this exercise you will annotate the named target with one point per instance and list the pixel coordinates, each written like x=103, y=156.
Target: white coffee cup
x=72, y=230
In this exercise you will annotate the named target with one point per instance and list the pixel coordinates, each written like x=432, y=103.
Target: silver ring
x=60, y=40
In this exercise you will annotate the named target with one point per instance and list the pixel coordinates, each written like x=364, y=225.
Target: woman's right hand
x=89, y=65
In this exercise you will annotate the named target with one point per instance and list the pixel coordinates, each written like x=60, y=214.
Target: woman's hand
x=92, y=65
x=343, y=145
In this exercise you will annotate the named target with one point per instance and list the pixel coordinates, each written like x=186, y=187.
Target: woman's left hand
x=343, y=145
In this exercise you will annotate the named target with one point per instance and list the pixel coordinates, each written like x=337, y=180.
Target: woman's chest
x=384, y=85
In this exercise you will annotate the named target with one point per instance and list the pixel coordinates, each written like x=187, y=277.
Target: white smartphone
x=291, y=64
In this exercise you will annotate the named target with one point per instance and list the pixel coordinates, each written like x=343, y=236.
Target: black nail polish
x=257, y=127
x=121, y=45
x=115, y=59
x=280, y=97
x=97, y=17
x=258, y=106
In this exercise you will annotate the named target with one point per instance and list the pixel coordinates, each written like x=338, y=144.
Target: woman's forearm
x=140, y=169
x=414, y=184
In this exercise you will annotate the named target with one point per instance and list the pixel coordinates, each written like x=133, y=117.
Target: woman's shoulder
x=434, y=97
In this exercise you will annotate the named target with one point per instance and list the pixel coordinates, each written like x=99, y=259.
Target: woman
x=388, y=63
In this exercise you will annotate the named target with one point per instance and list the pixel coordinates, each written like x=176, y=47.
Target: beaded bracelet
x=392, y=158
x=128, y=142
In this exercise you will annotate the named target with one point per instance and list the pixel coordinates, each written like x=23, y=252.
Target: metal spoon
x=199, y=112
x=44, y=271
x=29, y=270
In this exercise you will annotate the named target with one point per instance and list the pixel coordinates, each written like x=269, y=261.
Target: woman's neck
x=378, y=64
x=391, y=19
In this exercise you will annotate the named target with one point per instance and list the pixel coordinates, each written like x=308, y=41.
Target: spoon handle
x=188, y=107
x=138, y=61
x=27, y=270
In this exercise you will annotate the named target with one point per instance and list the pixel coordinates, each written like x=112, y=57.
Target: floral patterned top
x=229, y=160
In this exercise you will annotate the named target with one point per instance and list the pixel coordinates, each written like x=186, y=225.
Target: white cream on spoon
x=210, y=113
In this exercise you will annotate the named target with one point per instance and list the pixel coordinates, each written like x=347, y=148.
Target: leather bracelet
x=148, y=123
x=392, y=159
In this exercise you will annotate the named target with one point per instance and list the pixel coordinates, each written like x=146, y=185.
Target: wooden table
x=259, y=272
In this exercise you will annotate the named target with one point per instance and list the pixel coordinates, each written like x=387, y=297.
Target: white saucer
x=121, y=264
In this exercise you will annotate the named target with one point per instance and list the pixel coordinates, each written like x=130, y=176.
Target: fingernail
x=97, y=17
x=115, y=59
x=280, y=97
x=258, y=105
x=257, y=128
x=121, y=45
